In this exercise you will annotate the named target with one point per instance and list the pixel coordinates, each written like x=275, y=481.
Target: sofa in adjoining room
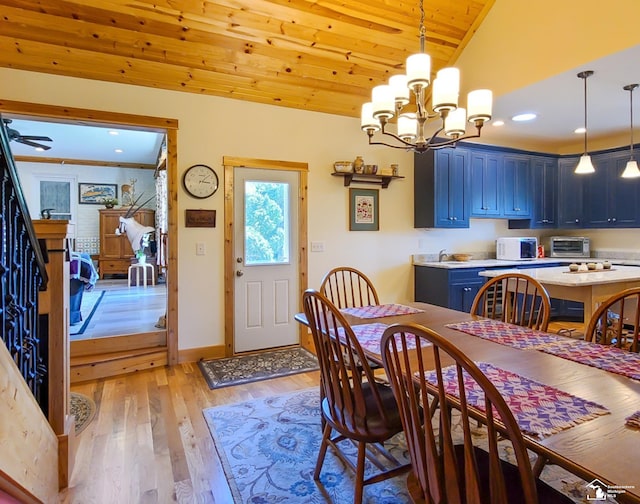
x=83, y=276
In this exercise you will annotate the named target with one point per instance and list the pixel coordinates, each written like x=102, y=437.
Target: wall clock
x=200, y=181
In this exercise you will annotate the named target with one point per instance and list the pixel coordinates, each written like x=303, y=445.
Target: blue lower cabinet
x=451, y=288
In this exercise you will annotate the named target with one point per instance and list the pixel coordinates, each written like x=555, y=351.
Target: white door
x=266, y=262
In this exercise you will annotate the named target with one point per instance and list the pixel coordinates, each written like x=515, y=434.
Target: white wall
x=212, y=127
x=86, y=216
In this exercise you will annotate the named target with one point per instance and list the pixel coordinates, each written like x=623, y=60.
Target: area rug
x=268, y=449
x=84, y=409
x=263, y=366
x=90, y=302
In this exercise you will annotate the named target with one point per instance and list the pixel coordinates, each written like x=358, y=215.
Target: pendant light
x=631, y=170
x=585, y=165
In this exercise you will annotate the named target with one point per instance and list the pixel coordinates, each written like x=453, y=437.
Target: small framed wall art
x=95, y=194
x=363, y=210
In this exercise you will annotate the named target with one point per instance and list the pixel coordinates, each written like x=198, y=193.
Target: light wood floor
x=125, y=310
x=149, y=442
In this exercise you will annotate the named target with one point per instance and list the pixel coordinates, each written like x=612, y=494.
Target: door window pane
x=266, y=213
x=56, y=197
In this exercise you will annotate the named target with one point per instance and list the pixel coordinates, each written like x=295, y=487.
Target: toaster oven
x=569, y=246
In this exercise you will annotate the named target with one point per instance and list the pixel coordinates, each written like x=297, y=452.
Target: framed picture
x=363, y=210
x=95, y=194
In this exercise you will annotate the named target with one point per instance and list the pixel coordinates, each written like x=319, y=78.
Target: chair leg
x=359, y=486
x=323, y=451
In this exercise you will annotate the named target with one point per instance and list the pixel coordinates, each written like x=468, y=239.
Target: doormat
x=255, y=367
x=92, y=304
x=83, y=408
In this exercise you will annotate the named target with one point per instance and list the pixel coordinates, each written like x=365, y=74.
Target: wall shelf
x=363, y=178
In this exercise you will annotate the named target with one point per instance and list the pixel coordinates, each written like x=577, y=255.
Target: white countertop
x=560, y=275
x=495, y=263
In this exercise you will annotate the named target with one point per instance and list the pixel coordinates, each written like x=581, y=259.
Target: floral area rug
x=268, y=448
x=262, y=366
x=84, y=409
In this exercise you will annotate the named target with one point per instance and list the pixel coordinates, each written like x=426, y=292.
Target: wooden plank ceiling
x=321, y=55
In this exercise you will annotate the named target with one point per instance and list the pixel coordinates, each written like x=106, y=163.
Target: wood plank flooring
x=149, y=442
x=125, y=310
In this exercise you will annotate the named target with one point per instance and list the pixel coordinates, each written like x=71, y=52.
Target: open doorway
x=151, y=302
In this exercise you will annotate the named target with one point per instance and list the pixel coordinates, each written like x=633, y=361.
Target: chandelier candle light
x=388, y=100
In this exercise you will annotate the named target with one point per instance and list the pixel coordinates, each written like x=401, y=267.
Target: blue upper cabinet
x=612, y=201
x=486, y=184
x=570, y=195
x=544, y=182
x=442, y=188
x=517, y=188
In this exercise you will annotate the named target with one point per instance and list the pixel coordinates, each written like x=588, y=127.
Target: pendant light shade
x=631, y=170
x=585, y=165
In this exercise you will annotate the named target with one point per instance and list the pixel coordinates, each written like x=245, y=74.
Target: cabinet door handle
x=577, y=221
x=613, y=219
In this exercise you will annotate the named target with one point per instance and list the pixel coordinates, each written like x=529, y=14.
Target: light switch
x=200, y=250
x=317, y=246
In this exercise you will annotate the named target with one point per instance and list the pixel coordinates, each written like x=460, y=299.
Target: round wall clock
x=200, y=181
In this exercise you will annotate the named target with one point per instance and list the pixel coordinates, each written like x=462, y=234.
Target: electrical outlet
x=317, y=246
x=200, y=250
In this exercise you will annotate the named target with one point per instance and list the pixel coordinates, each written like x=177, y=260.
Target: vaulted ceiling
x=321, y=55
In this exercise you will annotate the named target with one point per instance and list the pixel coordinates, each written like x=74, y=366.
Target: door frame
x=159, y=124
x=230, y=163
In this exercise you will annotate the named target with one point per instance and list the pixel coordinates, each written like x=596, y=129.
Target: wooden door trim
x=229, y=265
x=117, y=119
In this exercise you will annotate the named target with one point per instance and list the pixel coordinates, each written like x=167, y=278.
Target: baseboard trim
x=201, y=353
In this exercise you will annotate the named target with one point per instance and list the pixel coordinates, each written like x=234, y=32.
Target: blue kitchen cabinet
x=442, y=188
x=486, y=186
x=544, y=178
x=451, y=288
x=570, y=194
x=516, y=186
x=612, y=200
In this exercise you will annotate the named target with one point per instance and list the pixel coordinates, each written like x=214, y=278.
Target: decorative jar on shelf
x=358, y=164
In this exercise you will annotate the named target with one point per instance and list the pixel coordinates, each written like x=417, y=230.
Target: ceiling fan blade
x=37, y=138
x=32, y=144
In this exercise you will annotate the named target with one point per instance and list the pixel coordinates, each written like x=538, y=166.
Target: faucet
x=442, y=255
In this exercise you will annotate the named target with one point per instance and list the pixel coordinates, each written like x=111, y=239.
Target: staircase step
x=92, y=367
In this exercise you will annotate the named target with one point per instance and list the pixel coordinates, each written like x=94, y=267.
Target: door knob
x=239, y=273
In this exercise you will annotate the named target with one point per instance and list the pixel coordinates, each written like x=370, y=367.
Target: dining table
x=604, y=449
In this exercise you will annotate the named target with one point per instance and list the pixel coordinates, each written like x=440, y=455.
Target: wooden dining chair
x=353, y=405
x=616, y=321
x=347, y=287
x=448, y=465
x=514, y=298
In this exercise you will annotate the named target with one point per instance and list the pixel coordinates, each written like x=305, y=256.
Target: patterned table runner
x=378, y=311
x=539, y=409
x=369, y=336
x=507, y=334
x=608, y=358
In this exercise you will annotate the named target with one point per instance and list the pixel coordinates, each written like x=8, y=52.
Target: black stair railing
x=23, y=275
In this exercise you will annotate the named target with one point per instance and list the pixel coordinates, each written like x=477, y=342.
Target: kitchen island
x=589, y=288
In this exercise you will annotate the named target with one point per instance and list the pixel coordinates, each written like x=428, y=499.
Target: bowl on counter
x=343, y=166
x=461, y=257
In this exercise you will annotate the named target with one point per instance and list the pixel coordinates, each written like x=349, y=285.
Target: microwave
x=514, y=248
x=569, y=246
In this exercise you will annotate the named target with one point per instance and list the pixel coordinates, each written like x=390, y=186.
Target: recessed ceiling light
x=119, y=151
x=114, y=132
x=580, y=130
x=529, y=116
x=497, y=123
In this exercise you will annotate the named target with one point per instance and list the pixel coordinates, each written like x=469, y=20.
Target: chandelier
x=389, y=100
